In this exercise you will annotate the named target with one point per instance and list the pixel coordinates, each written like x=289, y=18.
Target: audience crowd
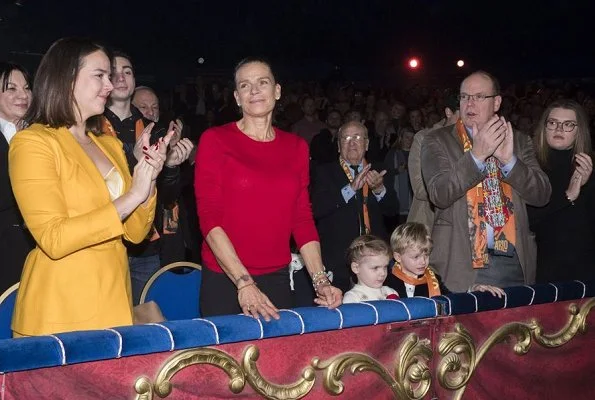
x=378, y=192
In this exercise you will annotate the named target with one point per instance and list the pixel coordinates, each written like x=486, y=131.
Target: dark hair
x=121, y=54
x=53, y=101
x=582, y=140
x=492, y=78
x=7, y=68
x=250, y=60
x=452, y=102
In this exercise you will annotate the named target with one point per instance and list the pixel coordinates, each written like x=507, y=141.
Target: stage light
x=201, y=60
x=460, y=63
x=414, y=63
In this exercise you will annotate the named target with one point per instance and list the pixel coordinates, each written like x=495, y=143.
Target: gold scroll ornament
x=411, y=379
x=460, y=358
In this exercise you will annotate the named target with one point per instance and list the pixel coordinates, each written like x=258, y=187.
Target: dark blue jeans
x=141, y=269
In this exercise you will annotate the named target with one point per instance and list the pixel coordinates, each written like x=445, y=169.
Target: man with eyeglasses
x=349, y=199
x=480, y=175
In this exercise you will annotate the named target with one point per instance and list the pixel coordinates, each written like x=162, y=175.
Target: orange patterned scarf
x=490, y=202
x=365, y=190
x=428, y=278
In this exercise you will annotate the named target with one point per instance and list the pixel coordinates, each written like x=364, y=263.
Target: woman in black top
x=564, y=228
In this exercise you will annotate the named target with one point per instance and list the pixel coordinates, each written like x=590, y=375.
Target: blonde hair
x=367, y=245
x=411, y=234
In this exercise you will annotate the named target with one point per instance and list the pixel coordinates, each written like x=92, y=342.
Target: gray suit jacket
x=421, y=210
x=449, y=173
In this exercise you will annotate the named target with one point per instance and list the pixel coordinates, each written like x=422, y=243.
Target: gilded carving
x=269, y=390
x=412, y=378
x=460, y=359
x=162, y=386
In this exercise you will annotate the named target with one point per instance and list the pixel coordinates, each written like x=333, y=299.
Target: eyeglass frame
x=480, y=98
x=560, y=124
x=355, y=138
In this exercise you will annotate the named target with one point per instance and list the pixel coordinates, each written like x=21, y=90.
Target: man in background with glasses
x=480, y=174
x=349, y=199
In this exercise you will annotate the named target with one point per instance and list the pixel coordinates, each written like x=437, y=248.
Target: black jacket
x=15, y=240
x=338, y=222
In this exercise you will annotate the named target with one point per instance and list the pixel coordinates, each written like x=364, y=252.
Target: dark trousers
x=15, y=245
x=502, y=271
x=219, y=295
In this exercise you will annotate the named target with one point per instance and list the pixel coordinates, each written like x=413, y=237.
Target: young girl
x=368, y=257
x=411, y=276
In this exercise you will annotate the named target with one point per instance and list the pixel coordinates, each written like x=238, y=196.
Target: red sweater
x=257, y=192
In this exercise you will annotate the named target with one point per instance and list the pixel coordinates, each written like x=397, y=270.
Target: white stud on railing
x=119, y=341
x=213, y=325
x=61, y=348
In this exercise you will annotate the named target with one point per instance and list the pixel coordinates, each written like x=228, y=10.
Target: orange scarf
x=108, y=129
x=490, y=202
x=428, y=278
x=365, y=191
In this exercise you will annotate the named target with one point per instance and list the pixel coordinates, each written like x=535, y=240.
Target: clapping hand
x=375, y=180
x=360, y=179
x=504, y=151
x=580, y=176
x=487, y=139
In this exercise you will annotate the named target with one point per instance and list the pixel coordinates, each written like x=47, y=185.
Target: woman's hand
x=584, y=167
x=328, y=295
x=156, y=154
x=494, y=290
x=144, y=141
x=255, y=303
x=142, y=180
x=580, y=176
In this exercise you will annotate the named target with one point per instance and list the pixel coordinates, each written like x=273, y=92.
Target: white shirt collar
x=8, y=129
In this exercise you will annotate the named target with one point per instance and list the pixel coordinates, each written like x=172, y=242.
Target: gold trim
x=459, y=358
x=412, y=376
x=8, y=292
x=163, y=270
x=163, y=387
x=269, y=390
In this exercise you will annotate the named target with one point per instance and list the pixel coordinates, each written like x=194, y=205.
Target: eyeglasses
x=476, y=97
x=354, y=138
x=567, y=126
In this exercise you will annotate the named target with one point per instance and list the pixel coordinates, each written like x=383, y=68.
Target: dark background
x=366, y=40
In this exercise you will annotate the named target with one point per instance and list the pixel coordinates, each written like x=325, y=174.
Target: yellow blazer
x=77, y=276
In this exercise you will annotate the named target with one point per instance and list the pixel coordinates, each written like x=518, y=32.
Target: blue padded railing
x=516, y=296
x=85, y=346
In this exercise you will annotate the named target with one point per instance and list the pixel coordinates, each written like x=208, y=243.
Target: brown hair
x=53, y=100
x=582, y=141
x=250, y=60
x=411, y=234
x=367, y=245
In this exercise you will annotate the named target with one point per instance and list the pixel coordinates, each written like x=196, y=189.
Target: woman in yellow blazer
x=77, y=197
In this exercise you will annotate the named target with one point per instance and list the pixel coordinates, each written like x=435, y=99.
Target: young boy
x=368, y=257
x=411, y=275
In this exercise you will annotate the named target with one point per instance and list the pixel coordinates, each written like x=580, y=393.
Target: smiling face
x=555, y=135
x=92, y=86
x=371, y=270
x=256, y=91
x=474, y=111
x=353, y=142
x=16, y=98
x=147, y=103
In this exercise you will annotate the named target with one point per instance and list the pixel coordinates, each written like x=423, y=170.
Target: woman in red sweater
x=251, y=188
